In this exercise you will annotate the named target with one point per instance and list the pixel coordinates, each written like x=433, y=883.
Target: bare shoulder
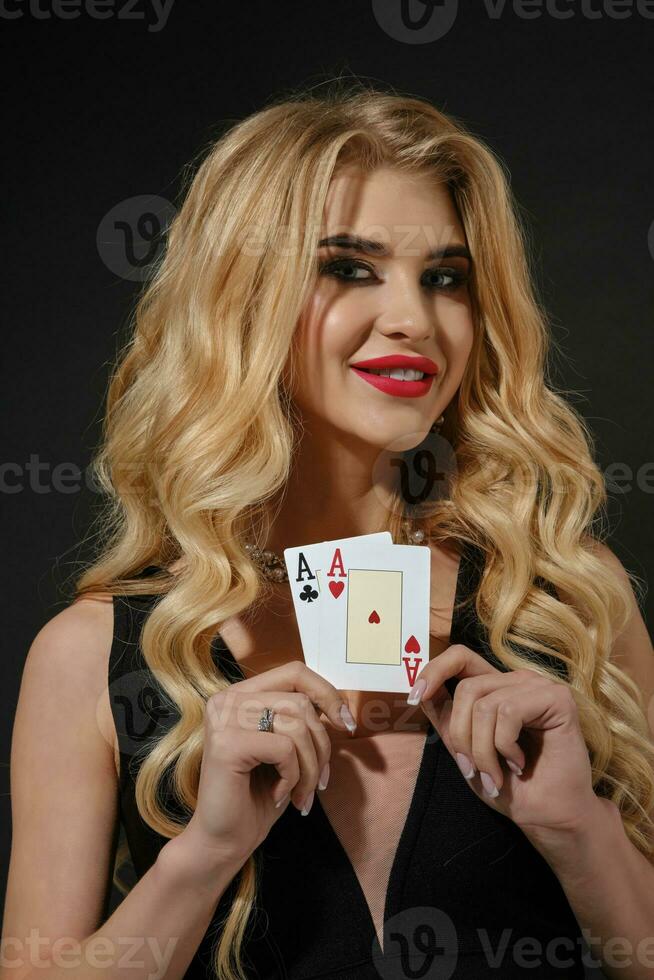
x=632, y=649
x=64, y=786
x=69, y=660
x=608, y=557
x=611, y=561
x=74, y=644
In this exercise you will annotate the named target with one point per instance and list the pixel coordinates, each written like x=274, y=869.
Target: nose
x=406, y=314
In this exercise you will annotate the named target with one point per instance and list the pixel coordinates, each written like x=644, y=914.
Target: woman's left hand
x=490, y=710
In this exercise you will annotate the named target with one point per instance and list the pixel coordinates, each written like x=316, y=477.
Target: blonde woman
x=487, y=825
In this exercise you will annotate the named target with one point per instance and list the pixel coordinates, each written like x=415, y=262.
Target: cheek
x=318, y=354
x=326, y=335
x=307, y=345
x=456, y=338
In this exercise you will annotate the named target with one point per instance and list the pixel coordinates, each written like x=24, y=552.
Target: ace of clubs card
x=304, y=577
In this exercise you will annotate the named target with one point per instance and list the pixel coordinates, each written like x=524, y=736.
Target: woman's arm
x=609, y=882
x=64, y=808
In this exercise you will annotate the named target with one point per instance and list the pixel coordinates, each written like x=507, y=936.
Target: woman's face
x=405, y=297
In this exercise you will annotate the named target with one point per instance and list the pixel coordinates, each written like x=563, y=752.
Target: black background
x=99, y=111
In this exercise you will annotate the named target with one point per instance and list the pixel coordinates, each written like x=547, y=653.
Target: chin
x=393, y=438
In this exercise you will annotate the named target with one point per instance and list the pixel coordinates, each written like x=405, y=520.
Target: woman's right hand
x=237, y=796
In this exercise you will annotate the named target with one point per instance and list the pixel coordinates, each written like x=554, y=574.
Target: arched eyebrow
x=355, y=243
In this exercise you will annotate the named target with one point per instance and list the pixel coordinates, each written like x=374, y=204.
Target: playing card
x=304, y=578
x=374, y=614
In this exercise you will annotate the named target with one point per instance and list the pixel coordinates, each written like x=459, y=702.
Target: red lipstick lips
x=424, y=364
x=396, y=386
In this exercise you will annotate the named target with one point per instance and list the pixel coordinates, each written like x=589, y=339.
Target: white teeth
x=400, y=374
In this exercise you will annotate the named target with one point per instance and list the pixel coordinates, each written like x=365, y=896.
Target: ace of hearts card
x=374, y=614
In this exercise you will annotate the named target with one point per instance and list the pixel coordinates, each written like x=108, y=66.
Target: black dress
x=468, y=896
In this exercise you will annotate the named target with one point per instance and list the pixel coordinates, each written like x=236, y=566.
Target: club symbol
x=308, y=594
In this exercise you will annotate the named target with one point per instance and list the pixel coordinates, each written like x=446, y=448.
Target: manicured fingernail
x=348, y=720
x=417, y=691
x=489, y=786
x=324, y=776
x=465, y=765
x=307, y=804
x=283, y=800
x=512, y=766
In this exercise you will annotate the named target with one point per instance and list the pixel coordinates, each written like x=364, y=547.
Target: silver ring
x=266, y=720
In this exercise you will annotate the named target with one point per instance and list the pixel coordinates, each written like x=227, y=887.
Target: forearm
x=609, y=884
x=155, y=931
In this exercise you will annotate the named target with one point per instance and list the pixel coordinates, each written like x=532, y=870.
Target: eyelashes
x=334, y=268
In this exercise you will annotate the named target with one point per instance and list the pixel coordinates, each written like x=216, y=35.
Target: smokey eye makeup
x=349, y=270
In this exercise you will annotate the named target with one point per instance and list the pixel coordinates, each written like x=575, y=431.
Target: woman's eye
x=353, y=271
x=345, y=269
x=445, y=278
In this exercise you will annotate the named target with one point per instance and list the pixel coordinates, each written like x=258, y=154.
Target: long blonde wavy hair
x=199, y=434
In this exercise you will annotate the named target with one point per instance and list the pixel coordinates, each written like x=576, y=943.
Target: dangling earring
x=436, y=427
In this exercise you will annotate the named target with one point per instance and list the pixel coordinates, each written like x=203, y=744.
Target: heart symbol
x=336, y=588
x=373, y=617
x=412, y=645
